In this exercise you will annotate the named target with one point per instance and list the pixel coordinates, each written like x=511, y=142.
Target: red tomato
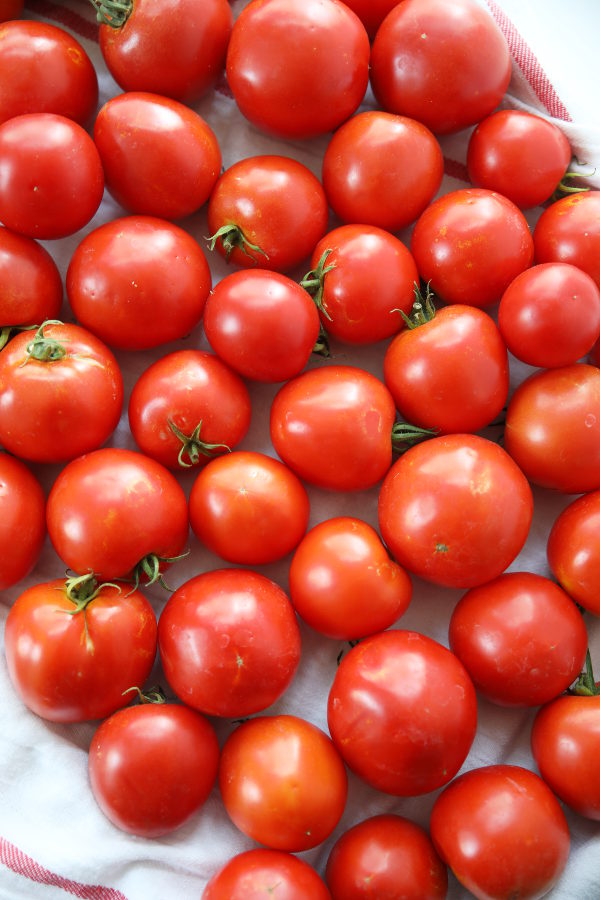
x=115, y=511
x=402, y=712
x=470, y=245
x=187, y=407
x=381, y=169
x=52, y=179
x=455, y=510
x=336, y=566
x=268, y=211
x=138, y=282
x=371, y=12
x=569, y=232
x=229, y=642
x=10, y=9
x=298, y=68
x=520, y=637
x=262, y=324
x=522, y=156
x=283, y=782
x=549, y=315
x=62, y=393
x=22, y=520
x=71, y=655
x=32, y=288
x=574, y=550
x=386, y=856
x=152, y=767
x=333, y=427
x=178, y=53
x=257, y=874
x=446, y=65
x=502, y=832
x=553, y=428
x=248, y=508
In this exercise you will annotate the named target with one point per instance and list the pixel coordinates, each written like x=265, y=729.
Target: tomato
x=470, y=244
x=268, y=211
x=262, y=324
x=381, y=169
x=336, y=565
x=553, y=428
x=138, y=282
x=569, y=232
x=152, y=767
x=22, y=520
x=114, y=511
x=455, y=510
x=178, y=53
x=386, y=856
x=62, y=393
x=298, y=68
x=333, y=427
x=229, y=642
x=520, y=637
x=402, y=712
x=261, y=873
x=248, y=508
x=361, y=278
x=522, y=156
x=371, y=12
x=456, y=358
x=549, y=315
x=574, y=550
x=52, y=179
x=283, y=782
x=10, y=9
x=502, y=832
x=187, y=407
x=70, y=655
x=445, y=65
x=32, y=288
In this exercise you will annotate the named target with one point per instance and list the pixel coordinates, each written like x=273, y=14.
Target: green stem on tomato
x=193, y=446
x=405, y=435
x=112, y=12
x=585, y=686
x=423, y=309
x=314, y=282
x=45, y=349
x=232, y=237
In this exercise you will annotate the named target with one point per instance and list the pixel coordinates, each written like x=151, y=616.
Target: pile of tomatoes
x=286, y=418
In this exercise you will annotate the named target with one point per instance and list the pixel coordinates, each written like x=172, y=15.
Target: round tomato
x=569, y=232
x=283, y=782
x=32, y=288
x=402, y=712
x=153, y=766
x=371, y=12
x=574, y=550
x=257, y=874
x=22, y=520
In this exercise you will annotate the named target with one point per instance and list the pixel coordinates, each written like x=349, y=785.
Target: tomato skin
x=382, y=169
x=409, y=732
x=569, y=232
x=32, y=289
x=574, y=550
x=520, y=637
x=338, y=564
x=283, y=782
x=446, y=66
x=298, y=68
x=386, y=856
x=371, y=12
x=256, y=873
x=502, y=832
x=151, y=767
x=455, y=510
x=22, y=520
x=64, y=673
x=245, y=640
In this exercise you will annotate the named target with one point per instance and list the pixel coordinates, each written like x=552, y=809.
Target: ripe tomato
x=268, y=211
x=298, y=68
x=62, y=393
x=455, y=510
x=386, y=856
x=32, y=288
x=283, y=782
x=446, y=65
x=470, y=245
x=402, y=712
x=52, y=179
x=502, y=832
x=569, y=232
x=553, y=428
x=138, y=282
x=519, y=155
x=574, y=550
x=339, y=563
x=248, y=508
x=71, y=654
x=187, y=407
x=114, y=512
x=381, y=169
x=152, y=767
x=371, y=12
x=256, y=874
x=22, y=520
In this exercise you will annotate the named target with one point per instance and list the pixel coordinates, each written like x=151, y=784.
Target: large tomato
x=258, y=874
x=32, y=288
x=569, y=231
x=22, y=520
x=574, y=550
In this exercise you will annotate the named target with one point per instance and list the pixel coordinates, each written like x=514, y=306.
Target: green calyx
x=566, y=187
x=321, y=347
x=193, y=447
x=405, y=435
x=112, y=12
x=232, y=237
x=81, y=590
x=45, y=349
x=154, y=694
x=423, y=309
x=314, y=282
x=148, y=570
x=585, y=686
